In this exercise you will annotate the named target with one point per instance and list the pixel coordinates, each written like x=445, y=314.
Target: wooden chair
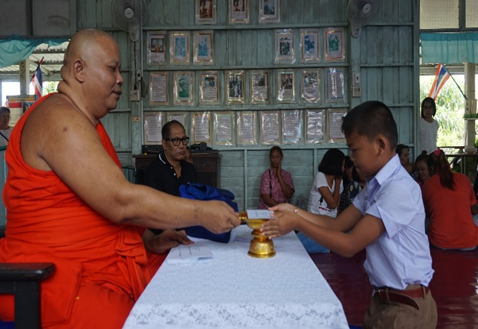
x=23, y=281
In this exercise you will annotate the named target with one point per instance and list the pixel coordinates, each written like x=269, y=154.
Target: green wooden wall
x=385, y=55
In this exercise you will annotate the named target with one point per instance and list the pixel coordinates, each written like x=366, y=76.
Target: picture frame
x=235, y=93
x=183, y=88
x=291, y=127
x=156, y=44
x=182, y=117
x=310, y=85
x=205, y=12
x=284, y=44
x=334, y=125
x=209, y=88
x=238, y=11
x=179, y=47
x=270, y=128
x=224, y=128
x=309, y=46
x=334, y=46
x=314, y=126
x=158, y=88
x=335, y=84
x=269, y=11
x=153, y=123
x=204, y=47
x=285, y=86
x=201, y=127
x=247, y=128
x=260, y=87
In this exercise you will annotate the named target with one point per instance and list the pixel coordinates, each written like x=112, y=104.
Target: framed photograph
x=335, y=84
x=203, y=47
x=205, y=11
x=260, y=87
x=310, y=85
x=270, y=128
x=238, y=11
x=285, y=86
x=269, y=11
x=183, y=88
x=201, y=127
x=291, y=126
x=179, y=48
x=246, y=128
x=314, y=126
x=334, y=46
x=181, y=117
x=235, y=87
x=153, y=123
x=209, y=88
x=158, y=88
x=309, y=45
x=224, y=128
x=284, y=40
x=335, y=118
x=156, y=53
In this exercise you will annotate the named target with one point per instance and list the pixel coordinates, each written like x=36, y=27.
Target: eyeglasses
x=176, y=140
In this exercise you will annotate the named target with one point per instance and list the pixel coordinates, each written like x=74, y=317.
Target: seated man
x=170, y=169
x=69, y=203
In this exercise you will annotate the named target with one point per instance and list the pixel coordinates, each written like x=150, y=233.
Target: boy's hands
x=286, y=220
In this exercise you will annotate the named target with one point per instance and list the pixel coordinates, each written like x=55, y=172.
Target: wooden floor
x=454, y=286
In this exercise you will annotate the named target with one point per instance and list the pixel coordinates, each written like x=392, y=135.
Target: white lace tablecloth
x=234, y=290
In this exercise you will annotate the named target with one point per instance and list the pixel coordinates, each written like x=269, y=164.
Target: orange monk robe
x=101, y=267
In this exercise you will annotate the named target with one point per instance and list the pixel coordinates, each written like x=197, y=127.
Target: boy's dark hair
x=429, y=100
x=332, y=162
x=400, y=147
x=166, y=130
x=371, y=119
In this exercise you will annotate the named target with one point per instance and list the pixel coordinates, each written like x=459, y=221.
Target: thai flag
x=38, y=82
x=441, y=77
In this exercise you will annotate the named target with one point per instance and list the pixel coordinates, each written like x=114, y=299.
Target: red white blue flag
x=441, y=77
x=38, y=81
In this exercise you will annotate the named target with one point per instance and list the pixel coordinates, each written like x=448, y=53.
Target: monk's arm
x=69, y=145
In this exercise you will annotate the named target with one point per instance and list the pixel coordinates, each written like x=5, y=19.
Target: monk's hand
x=282, y=223
x=168, y=239
x=218, y=217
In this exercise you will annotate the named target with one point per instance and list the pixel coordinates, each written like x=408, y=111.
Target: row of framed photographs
x=252, y=128
x=203, y=45
x=238, y=11
x=247, y=87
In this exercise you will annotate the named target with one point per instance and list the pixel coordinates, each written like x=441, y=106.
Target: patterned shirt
x=270, y=185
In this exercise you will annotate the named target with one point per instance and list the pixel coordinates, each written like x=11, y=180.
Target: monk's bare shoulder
x=53, y=127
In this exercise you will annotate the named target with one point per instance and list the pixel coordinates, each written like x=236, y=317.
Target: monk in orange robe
x=69, y=203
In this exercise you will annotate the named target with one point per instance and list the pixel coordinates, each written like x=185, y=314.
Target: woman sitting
x=421, y=165
x=449, y=201
x=403, y=152
x=324, y=195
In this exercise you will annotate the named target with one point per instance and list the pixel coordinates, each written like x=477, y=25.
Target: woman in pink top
x=276, y=183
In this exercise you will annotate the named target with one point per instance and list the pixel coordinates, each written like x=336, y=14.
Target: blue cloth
x=401, y=255
x=311, y=246
x=196, y=191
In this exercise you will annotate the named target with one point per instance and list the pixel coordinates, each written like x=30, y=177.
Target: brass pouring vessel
x=260, y=246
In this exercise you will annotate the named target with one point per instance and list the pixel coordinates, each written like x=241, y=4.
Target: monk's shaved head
x=84, y=45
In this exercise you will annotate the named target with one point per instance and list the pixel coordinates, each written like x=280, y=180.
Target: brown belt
x=406, y=296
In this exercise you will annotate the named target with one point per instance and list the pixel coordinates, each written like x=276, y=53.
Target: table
x=234, y=290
